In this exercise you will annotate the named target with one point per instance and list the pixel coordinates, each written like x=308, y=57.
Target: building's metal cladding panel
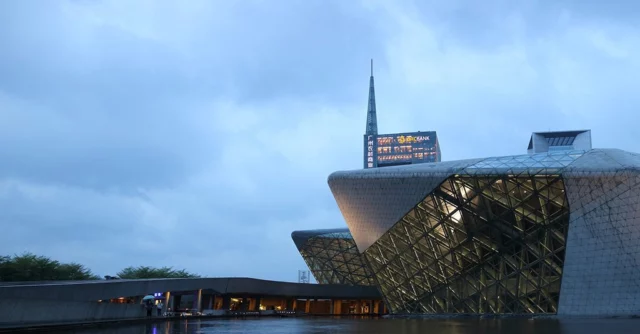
x=372, y=200
x=602, y=263
x=332, y=257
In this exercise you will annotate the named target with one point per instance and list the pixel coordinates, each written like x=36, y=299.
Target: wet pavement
x=368, y=325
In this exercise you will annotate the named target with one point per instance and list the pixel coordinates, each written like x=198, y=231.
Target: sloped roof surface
x=300, y=237
x=373, y=200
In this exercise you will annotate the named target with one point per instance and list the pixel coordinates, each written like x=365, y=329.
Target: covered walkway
x=46, y=302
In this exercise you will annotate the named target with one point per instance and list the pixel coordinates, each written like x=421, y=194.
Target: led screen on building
x=401, y=149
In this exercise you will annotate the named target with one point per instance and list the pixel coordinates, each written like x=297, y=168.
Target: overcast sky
x=199, y=134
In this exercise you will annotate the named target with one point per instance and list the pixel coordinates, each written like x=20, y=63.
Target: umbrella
x=148, y=297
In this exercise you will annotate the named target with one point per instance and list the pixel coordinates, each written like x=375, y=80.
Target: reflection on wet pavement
x=399, y=326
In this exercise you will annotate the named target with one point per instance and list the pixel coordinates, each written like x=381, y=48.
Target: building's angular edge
x=373, y=200
x=601, y=275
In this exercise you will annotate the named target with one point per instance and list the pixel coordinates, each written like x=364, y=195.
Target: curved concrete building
x=554, y=233
x=332, y=256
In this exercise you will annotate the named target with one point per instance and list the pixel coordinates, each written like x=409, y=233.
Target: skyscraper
x=395, y=149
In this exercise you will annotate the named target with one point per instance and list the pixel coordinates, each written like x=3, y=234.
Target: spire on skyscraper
x=372, y=121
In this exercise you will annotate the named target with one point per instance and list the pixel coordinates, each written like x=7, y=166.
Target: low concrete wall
x=19, y=311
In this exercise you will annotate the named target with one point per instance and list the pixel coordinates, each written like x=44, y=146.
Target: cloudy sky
x=199, y=134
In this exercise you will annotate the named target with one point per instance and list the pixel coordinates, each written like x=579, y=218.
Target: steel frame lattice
x=334, y=259
x=477, y=244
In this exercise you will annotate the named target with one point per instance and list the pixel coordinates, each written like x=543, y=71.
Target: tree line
x=31, y=267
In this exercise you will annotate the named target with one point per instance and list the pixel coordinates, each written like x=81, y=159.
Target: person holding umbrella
x=147, y=301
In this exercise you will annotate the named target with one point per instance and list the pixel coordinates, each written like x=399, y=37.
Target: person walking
x=160, y=306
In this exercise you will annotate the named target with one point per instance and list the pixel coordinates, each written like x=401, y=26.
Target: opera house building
x=553, y=231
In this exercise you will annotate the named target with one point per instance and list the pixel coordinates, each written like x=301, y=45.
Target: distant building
x=399, y=148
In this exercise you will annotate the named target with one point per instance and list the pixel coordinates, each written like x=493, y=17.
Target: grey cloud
x=551, y=74
x=126, y=96
x=106, y=111
x=201, y=136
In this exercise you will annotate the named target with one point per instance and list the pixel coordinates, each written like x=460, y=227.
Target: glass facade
x=539, y=163
x=479, y=243
x=333, y=258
